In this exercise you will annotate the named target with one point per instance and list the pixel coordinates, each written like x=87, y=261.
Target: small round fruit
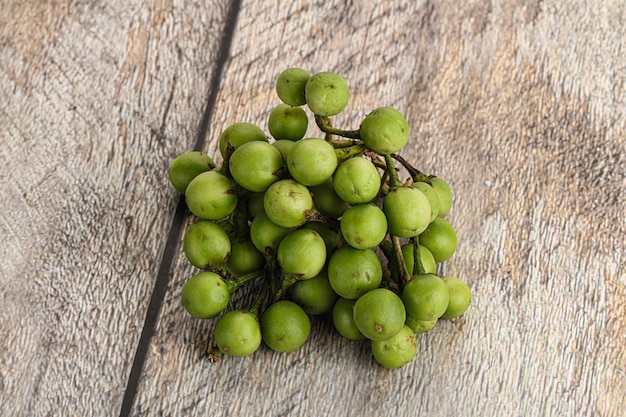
x=290, y=86
x=433, y=198
x=460, y=297
x=428, y=261
x=444, y=193
x=314, y=295
x=343, y=319
x=396, y=351
x=379, y=314
x=211, y=196
x=239, y=133
x=244, y=258
x=254, y=204
x=288, y=203
x=407, y=210
x=206, y=245
x=302, y=253
x=284, y=146
x=266, y=235
x=287, y=122
x=364, y=226
x=205, y=295
x=285, y=326
x=237, y=333
x=327, y=201
x=440, y=239
x=186, y=167
x=385, y=130
x=352, y=272
x=312, y=161
x=331, y=236
x=425, y=297
x=420, y=326
x=255, y=165
x=357, y=181
x=326, y=93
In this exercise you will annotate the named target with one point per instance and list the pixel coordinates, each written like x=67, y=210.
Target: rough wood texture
x=97, y=98
x=519, y=105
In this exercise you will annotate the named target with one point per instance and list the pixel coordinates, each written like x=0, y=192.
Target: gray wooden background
x=519, y=104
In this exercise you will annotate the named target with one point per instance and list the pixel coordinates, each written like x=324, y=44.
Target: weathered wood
x=520, y=106
x=97, y=98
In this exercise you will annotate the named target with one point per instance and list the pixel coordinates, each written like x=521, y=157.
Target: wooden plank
x=520, y=106
x=97, y=98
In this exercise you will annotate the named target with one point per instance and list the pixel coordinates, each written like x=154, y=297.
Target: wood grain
x=97, y=98
x=520, y=106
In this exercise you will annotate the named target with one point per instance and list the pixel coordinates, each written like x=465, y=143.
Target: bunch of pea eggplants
x=339, y=226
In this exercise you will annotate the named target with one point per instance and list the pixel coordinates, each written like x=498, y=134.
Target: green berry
x=357, y=181
x=311, y=161
x=244, y=258
x=284, y=146
x=343, y=319
x=420, y=326
x=440, y=239
x=285, y=326
x=352, y=272
x=237, y=333
x=314, y=295
x=205, y=295
x=428, y=261
x=302, y=253
x=287, y=122
x=254, y=204
x=288, y=203
x=425, y=297
x=255, y=165
x=407, y=210
x=290, y=86
x=432, y=196
x=327, y=201
x=444, y=194
x=460, y=297
x=211, y=196
x=326, y=93
x=266, y=235
x=206, y=245
x=331, y=236
x=396, y=351
x=186, y=167
x=364, y=226
x=239, y=133
x=379, y=314
x=385, y=131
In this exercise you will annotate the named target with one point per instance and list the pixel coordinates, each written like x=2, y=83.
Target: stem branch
x=235, y=283
x=403, y=271
x=349, y=151
x=418, y=266
x=259, y=301
x=325, y=126
x=288, y=281
x=416, y=174
x=394, y=181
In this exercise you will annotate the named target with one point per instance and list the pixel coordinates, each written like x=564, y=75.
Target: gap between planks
x=161, y=283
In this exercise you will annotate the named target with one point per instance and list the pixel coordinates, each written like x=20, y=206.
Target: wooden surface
x=519, y=105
